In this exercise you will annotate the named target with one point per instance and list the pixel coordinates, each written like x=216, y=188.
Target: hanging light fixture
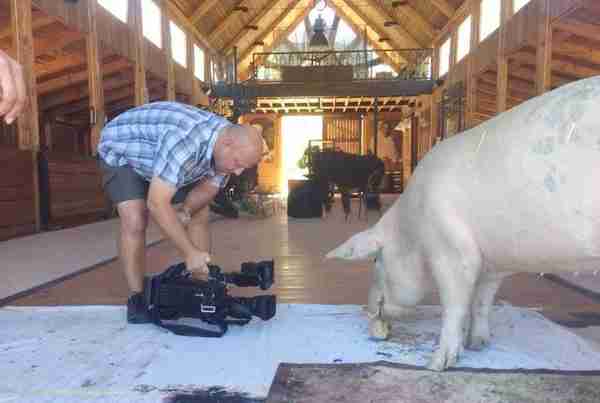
x=318, y=41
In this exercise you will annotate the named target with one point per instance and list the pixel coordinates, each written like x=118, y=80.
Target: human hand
x=12, y=85
x=196, y=263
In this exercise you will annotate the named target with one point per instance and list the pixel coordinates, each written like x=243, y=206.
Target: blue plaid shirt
x=170, y=140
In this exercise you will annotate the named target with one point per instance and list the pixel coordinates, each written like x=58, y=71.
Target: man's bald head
x=238, y=147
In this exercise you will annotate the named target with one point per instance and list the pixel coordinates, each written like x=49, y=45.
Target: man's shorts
x=123, y=183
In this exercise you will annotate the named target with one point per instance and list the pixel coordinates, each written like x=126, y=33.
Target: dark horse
x=349, y=172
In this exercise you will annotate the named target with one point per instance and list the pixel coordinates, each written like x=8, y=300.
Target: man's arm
x=159, y=204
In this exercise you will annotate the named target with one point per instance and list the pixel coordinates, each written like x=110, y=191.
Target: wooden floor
x=302, y=275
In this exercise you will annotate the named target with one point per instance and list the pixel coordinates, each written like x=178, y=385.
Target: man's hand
x=196, y=263
x=12, y=86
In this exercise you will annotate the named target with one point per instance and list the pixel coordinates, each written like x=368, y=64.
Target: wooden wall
x=73, y=194
x=17, y=204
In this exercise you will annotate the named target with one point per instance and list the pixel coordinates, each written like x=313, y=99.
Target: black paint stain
x=210, y=395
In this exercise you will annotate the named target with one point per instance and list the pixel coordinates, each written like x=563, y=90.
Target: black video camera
x=174, y=294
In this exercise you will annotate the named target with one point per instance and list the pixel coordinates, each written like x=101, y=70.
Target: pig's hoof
x=443, y=359
x=477, y=342
x=379, y=329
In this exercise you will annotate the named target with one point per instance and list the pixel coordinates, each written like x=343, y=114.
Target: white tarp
x=88, y=353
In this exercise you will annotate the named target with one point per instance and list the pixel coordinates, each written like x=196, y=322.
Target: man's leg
x=198, y=229
x=132, y=242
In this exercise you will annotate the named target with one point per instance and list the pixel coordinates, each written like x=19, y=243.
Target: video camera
x=174, y=294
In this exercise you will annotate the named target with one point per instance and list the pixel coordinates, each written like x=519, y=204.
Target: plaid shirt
x=170, y=140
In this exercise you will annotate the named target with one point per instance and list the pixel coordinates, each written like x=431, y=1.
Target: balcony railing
x=343, y=65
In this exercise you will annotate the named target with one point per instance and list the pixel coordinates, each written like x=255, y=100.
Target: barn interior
x=368, y=77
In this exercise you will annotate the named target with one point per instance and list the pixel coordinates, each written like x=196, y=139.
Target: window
x=151, y=22
x=519, y=4
x=464, y=39
x=178, y=44
x=490, y=18
x=445, y=57
x=118, y=8
x=198, y=63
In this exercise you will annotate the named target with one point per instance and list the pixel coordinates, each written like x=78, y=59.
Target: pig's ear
x=361, y=246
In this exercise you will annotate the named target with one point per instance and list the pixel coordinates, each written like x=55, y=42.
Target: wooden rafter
x=334, y=29
x=338, y=6
x=416, y=20
x=257, y=20
x=403, y=39
x=185, y=22
x=224, y=23
x=245, y=58
x=444, y=7
x=202, y=9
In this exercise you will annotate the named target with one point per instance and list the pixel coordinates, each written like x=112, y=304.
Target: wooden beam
x=244, y=60
x=444, y=7
x=502, y=58
x=416, y=20
x=202, y=9
x=38, y=23
x=591, y=31
x=135, y=17
x=471, y=89
x=257, y=20
x=78, y=93
x=59, y=64
x=543, y=79
x=96, y=90
x=166, y=34
x=339, y=7
x=224, y=23
x=71, y=79
x=28, y=126
x=184, y=21
x=404, y=39
x=455, y=21
x=28, y=131
x=333, y=31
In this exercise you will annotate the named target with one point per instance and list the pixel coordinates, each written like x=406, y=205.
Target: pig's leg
x=456, y=268
x=379, y=328
x=488, y=285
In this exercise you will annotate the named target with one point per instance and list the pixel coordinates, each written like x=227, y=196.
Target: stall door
x=345, y=133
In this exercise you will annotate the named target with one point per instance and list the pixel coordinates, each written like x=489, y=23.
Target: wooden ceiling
x=241, y=23
x=62, y=73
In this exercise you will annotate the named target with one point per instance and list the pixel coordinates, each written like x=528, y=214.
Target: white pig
x=518, y=193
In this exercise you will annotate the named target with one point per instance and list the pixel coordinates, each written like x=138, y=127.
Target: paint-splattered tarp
x=88, y=353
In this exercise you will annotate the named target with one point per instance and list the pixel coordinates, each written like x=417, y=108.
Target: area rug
x=88, y=353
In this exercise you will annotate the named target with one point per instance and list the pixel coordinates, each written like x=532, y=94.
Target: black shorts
x=123, y=183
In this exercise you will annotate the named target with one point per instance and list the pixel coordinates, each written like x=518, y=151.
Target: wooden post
x=406, y=157
x=166, y=34
x=136, y=23
x=27, y=124
x=96, y=90
x=453, y=53
x=543, y=77
x=502, y=73
x=197, y=94
x=471, y=92
x=48, y=134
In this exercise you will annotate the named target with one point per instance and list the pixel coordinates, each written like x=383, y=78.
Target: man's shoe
x=137, y=312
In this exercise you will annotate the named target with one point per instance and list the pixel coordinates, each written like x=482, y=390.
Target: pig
x=518, y=193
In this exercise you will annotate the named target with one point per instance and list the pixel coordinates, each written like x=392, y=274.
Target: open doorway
x=296, y=131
